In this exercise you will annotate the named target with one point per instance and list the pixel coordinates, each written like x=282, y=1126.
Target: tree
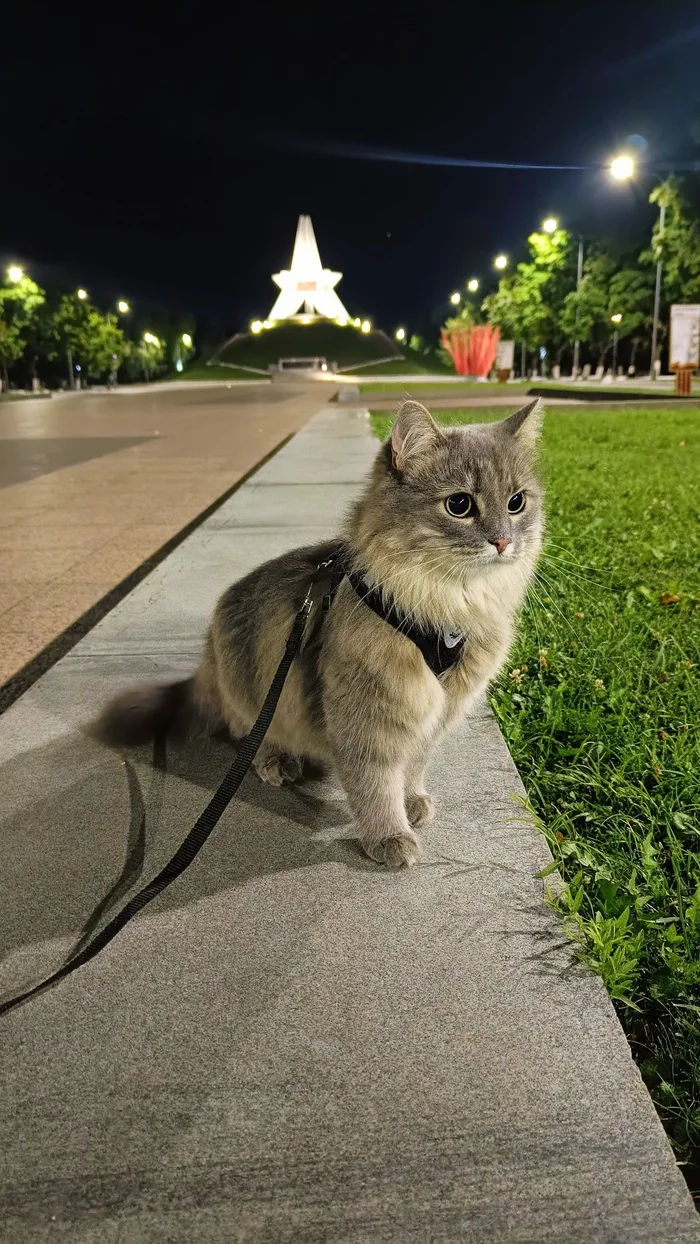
x=149, y=355
x=678, y=248
x=19, y=305
x=81, y=334
x=587, y=313
x=525, y=305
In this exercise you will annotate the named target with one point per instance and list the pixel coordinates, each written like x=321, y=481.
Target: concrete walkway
x=94, y=484
x=293, y=1044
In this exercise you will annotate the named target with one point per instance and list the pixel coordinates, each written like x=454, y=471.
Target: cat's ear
x=526, y=424
x=413, y=435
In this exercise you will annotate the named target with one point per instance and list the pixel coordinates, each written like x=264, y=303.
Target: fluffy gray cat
x=447, y=530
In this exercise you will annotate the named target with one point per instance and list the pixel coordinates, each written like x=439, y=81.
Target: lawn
x=599, y=706
x=202, y=371
x=411, y=363
x=477, y=388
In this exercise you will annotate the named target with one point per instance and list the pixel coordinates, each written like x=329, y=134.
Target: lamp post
x=550, y=225
x=657, y=293
x=579, y=274
x=500, y=262
x=472, y=285
x=616, y=320
x=623, y=168
x=455, y=298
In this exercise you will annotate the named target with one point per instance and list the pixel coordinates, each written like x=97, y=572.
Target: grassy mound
x=348, y=347
x=598, y=704
x=203, y=371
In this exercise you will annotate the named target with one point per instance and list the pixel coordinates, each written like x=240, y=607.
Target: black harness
x=441, y=650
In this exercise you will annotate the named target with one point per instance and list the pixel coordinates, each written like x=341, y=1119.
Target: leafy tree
x=80, y=332
x=148, y=355
x=19, y=306
x=525, y=306
x=587, y=313
x=678, y=248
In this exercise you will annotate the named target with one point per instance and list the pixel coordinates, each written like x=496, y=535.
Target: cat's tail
x=147, y=712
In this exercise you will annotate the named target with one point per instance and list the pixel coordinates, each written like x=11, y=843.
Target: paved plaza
x=91, y=486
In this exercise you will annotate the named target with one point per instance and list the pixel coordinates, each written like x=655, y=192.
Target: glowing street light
x=256, y=326
x=472, y=285
x=400, y=334
x=357, y=322
x=14, y=273
x=123, y=307
x=500, y=262
x=366, y=326
x=82, y=294
x=455, y=298
x=616, y=319
x=622, y=168
x=186, y=340
x=151, y=339
x=550, y=224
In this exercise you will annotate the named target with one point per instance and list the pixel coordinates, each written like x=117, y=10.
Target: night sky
x=164, y=153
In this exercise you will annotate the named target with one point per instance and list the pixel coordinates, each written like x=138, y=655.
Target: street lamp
x=366, y=326
x=14, y=273
x=472, y=285
x=550, y=224
x=616, y=320
x=256, y=326
x=500, y=262
x=455, y=298
x=123, y=307
x=82, y=294
x=151, y=339
x=622, y=168
x=400, y=334
x=186, y=340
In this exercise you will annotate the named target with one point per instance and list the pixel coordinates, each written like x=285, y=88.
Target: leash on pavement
x=216, y=807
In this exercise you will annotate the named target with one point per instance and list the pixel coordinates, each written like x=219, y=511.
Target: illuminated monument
x=307, y=284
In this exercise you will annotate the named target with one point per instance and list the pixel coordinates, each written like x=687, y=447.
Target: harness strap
x=441, y=650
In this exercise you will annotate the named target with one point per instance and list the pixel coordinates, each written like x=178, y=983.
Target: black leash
x=211, y=815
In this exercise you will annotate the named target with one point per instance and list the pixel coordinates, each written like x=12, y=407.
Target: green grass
x=201, y=371
x=470, y=387
x=411, y=364
x=599, y=706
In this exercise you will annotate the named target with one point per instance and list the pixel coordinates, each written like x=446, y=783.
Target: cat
x=447, y=531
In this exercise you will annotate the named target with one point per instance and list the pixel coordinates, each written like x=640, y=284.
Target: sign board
x=505, y=354
x=684, y=348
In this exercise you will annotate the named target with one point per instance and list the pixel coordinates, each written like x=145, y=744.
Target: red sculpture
x=472, y=350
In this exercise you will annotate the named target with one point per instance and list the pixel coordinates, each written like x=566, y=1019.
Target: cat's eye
x=460, y=505
x=516, y=504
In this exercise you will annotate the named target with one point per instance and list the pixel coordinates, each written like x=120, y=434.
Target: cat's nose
x=501, y=545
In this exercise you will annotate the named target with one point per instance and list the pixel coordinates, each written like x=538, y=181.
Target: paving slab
x=292, y=1044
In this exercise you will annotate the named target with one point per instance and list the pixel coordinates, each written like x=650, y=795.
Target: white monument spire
x=306, y=282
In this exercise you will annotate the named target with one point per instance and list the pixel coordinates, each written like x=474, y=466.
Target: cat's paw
x=276, y=769
x=396, y=852
x=420, y=809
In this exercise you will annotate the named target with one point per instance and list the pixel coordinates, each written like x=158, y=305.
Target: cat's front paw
x=420, y=809
x=404, y=849
x=276, y=769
